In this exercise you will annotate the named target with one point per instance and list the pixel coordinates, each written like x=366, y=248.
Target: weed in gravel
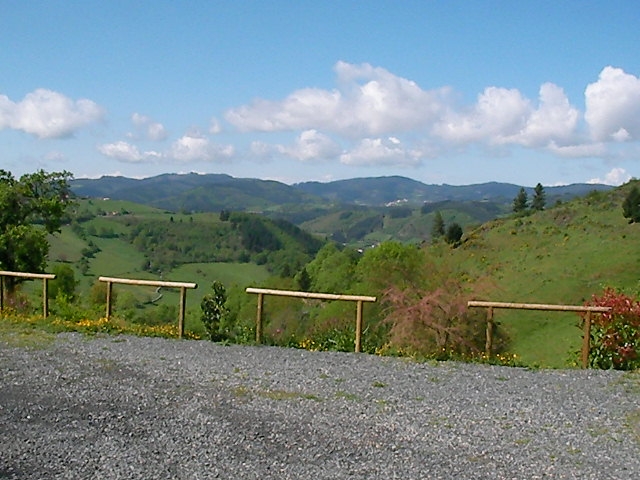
x=378, y=384
x=30, y=339
x=240, y=391
x=287, y=395
x=633, y=424
x=347, y=396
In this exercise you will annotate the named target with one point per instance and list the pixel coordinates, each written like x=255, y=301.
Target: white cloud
x=311, y=145
x=616, y=176
x=48, y=114
x=378, y=151
x=196, y=148
x=126, y=152
x=369, y=101
x=555, y=120
x=151, y=130
x=613, y=106
x=578, y=150
x=498, y=114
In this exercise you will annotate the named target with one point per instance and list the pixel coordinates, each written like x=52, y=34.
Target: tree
x=631, y=205
x=539, y=198
x=214, y=310
x=437, y=230
x=454, y=234
x=64, y=285
x=520, y=202
x=30, y=208
x=303, y=280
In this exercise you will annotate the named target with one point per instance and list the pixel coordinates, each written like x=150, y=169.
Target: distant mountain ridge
x=215, y=192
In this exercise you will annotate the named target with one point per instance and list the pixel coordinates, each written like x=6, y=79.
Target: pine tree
x=521, y=201
x=437, y=229
x=539, y=198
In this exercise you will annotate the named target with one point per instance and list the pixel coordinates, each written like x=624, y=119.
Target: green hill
x=561, y=255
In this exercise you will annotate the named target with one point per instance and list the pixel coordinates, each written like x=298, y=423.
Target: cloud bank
x=375, y=118
x=48, y=114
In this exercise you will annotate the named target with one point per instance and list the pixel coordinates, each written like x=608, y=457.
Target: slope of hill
x=562, y=255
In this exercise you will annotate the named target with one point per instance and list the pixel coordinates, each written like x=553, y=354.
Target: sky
x=444, y=92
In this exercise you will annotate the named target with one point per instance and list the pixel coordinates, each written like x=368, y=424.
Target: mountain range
x=215, y=192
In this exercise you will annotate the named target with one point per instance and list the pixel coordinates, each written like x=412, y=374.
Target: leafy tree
x=391, y=263
x=332, y=270
x=64, y=285
x=437, y=229
x=539, y=200
x=30, y=208
x=631, y=205
x=521, y=201
x=454, y=234
x=214, y=310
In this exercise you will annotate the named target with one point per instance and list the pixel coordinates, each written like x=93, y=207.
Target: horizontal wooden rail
x=538, y=306
x=152, y=283
x=318, y=296
x=45, y=293
x=43, y=276
x=586, y=340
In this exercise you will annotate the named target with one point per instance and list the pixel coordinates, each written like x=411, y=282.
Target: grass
x=562, y=255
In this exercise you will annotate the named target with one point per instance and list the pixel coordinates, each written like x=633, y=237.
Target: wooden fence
x=152, y=283
x=45, y=286
x=586, y=340
x=318, y=296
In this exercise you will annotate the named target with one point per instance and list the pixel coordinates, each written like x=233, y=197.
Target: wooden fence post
x=586, y=340
x=488, y=347
x=259, y=319
x=45, y=297
x=2, y=292
x=183, y=308
x=109, y=291
x=358, y=346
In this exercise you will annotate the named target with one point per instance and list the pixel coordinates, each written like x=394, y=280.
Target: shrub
x=615, y=335
x=434, y=323
x=214, y=310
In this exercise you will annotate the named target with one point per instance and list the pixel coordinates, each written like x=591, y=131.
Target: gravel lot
x=124, y=407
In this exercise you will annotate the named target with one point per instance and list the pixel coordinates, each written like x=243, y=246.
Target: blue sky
x=455, y=92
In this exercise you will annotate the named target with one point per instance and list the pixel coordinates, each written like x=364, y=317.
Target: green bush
x=214, y=310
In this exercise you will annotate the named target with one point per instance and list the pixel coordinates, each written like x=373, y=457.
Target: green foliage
x=303, y=280
x=615, y=335
x=391, y=263
x=631, y=205
x=98, y=294
x=214, y=310
x=520, y=203
x=437, y=230
x=332, y=270
x=539, y=198
x=30, y=208
x=64, y=284
x=454, y=234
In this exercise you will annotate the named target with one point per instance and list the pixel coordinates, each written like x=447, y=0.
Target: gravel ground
x=124, y=407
